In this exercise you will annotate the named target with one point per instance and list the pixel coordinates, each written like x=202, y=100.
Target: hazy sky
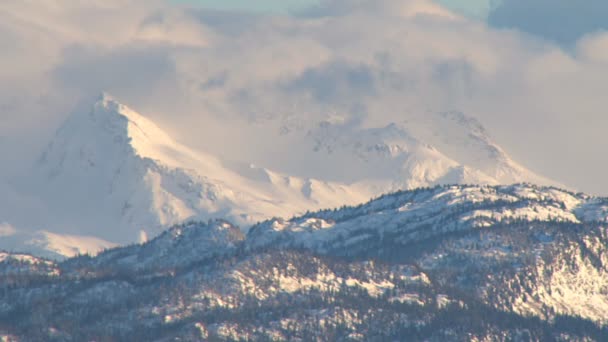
x=474, y=8
x=532, y=71
x=249, y=5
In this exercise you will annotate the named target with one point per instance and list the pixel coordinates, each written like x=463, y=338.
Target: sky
x=472, y=8
x=272, y=6
x=532, y=71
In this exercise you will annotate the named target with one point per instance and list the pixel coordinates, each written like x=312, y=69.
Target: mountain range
x=129, y=234
x=112, y=176
x=448, y=263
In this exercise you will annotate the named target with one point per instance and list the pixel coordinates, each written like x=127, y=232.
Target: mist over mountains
x=373, y=62
x=356, y=170
x=111, y=176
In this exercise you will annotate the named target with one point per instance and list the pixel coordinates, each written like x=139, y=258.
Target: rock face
x=488, y=263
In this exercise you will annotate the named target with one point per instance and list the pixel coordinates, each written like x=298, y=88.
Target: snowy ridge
x=14, y=264
x=466, y=140
x=412, y=216
x=51, y=245
x=438, y=148
x=443, y=263
x=180, y=245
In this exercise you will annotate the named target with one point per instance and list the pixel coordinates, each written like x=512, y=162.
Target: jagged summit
x=465, y=140
x=107, y=109
x=437, y=148
x=118, y=172
x=104, y=98
x=111, y=122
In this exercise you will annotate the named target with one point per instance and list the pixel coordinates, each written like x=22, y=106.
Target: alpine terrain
x=448, y=263
x=111, y=176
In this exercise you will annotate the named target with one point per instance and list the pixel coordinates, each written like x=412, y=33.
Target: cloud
x=207, y=74
x=562, y=21
x=594, y=47
x=7, y=230
x=337, y=79
x=90, y=70
x=56, y=53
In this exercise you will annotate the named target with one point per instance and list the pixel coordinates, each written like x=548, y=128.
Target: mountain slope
x=466, y=140
x=429, y=264
x=425, y=213
x=51, y=245
x=438, y=148
x=113, y=175
x=15, y=205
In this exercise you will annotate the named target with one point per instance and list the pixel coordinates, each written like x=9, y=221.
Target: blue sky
x=560, y=21
x=474, y=8
x=249, y=5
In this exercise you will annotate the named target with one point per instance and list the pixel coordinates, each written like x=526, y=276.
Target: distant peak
x=107, y=102
x=108, y=122
x=107, y=107
x=105, y=97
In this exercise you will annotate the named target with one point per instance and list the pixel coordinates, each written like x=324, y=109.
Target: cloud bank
x=231, y=82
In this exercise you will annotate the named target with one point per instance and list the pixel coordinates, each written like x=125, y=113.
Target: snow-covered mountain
x=450, y=263
x=111, y=175
x=423, y=214
x=19, y=213
x=436, y=148
x=50, y=245
x=114, y=174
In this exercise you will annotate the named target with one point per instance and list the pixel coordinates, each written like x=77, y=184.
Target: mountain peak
x=105, y=97
x=113, y=173
x=112, y=122
x=108, y=104
x=108, y=109
x=108, y=159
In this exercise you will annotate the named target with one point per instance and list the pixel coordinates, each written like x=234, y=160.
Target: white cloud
x=7, y=230
x=594, y=47
x=208, y=75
